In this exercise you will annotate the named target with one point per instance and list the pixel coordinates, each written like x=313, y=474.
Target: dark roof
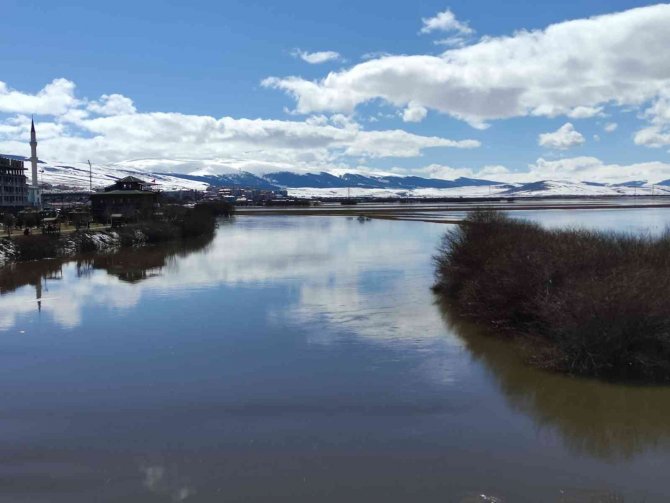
x=125, y=193
x=131, y=179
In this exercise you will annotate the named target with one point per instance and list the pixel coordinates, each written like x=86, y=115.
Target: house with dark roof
x=129, y=198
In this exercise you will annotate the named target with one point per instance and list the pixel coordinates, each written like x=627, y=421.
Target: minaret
x=33, y=152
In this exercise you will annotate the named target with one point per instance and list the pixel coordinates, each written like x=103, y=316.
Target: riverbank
x=576, y=301
x=399, y=210
x=178, y=223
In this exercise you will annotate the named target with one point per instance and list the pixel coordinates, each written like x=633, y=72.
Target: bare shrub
x=598, y=299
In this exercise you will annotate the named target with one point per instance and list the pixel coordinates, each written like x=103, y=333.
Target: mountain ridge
x=75, y=176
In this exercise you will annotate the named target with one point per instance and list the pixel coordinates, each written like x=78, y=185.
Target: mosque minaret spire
x=34, y=193
x=33, y=152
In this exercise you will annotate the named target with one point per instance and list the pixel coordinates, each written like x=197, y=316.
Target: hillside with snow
x=75, y=176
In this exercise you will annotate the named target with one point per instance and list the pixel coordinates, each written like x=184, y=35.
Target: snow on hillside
x=62, y=176
x=554, y=188
x=546, y=188
x=338, y=192
x=76, y=176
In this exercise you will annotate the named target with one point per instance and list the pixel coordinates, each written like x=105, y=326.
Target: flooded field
x=301, y=359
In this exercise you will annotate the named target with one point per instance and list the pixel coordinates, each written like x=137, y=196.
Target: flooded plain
x=301, y=359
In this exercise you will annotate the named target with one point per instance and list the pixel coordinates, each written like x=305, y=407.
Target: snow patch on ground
x=546, y=188
x=8, y=252
x=477, y=191
x=76, y=176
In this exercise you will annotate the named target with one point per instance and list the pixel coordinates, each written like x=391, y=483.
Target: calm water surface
x=299, y=359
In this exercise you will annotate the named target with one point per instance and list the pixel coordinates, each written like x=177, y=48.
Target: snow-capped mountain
x=553, y=188
x=351, y=180
x=75, y=176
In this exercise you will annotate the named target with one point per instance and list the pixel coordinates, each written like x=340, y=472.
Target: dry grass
x=589, y=303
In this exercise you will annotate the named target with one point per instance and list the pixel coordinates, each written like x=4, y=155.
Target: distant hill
x=324, y=185
x=242, y=179
x=351, y=180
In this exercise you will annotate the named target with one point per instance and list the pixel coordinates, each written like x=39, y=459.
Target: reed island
x=576, y=301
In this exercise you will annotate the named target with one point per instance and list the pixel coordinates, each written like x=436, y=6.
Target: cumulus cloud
x=112, y=104
x=445, y=21
x=581, y=112
x=657, y=135
x=315, y=58
x=654, y=136
x=610, y=127
x=570, y=68
x=495, y=170
x=55, y=98
x=443, y=172
x=110, y=130
x=414, y=112
x=563, y=138
x=455, y=41
x=593, y=169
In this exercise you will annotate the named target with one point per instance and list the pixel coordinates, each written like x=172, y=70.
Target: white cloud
x=443, y=172
x=610, y=127
x=594, y=170
x=112, y=104
x=653, y=136
x=493, y=170
x=563, y=138
x=445, y=21
x=55, y=98
x=581, y=112
x=414, y=112
x=455, y=41
x=574, y=67
x=375, y=55
x=657, y=135
x=318, y=57
x=109, y=130
x=401, y=143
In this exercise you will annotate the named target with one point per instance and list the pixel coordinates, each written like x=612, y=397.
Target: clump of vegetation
x=36, y=247
x=175, y=223
x=584, y=302
x=216, y=208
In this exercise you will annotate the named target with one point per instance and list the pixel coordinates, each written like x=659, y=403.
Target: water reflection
x=609, y=421
x=292, y=359
x=64, y=286
x=165, y=481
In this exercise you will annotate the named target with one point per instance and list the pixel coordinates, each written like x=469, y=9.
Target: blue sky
x=211, y=60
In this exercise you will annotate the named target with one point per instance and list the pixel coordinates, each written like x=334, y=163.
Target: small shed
x=50, y=225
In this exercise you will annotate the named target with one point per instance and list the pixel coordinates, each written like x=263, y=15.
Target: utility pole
x=90, y=177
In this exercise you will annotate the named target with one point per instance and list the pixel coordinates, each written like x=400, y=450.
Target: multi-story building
x=130, y=198
x=13, y=187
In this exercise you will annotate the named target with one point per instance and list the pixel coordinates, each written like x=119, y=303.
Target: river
x=300, y=359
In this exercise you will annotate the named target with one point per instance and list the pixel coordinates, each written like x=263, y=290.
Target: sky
x=509, y=91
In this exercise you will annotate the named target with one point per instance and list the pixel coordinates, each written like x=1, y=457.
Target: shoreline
x=70, y=245
x=181, y=224
x=389, y=209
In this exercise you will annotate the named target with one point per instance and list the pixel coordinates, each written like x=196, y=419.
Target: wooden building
x=13, y=186
x=129, y=198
